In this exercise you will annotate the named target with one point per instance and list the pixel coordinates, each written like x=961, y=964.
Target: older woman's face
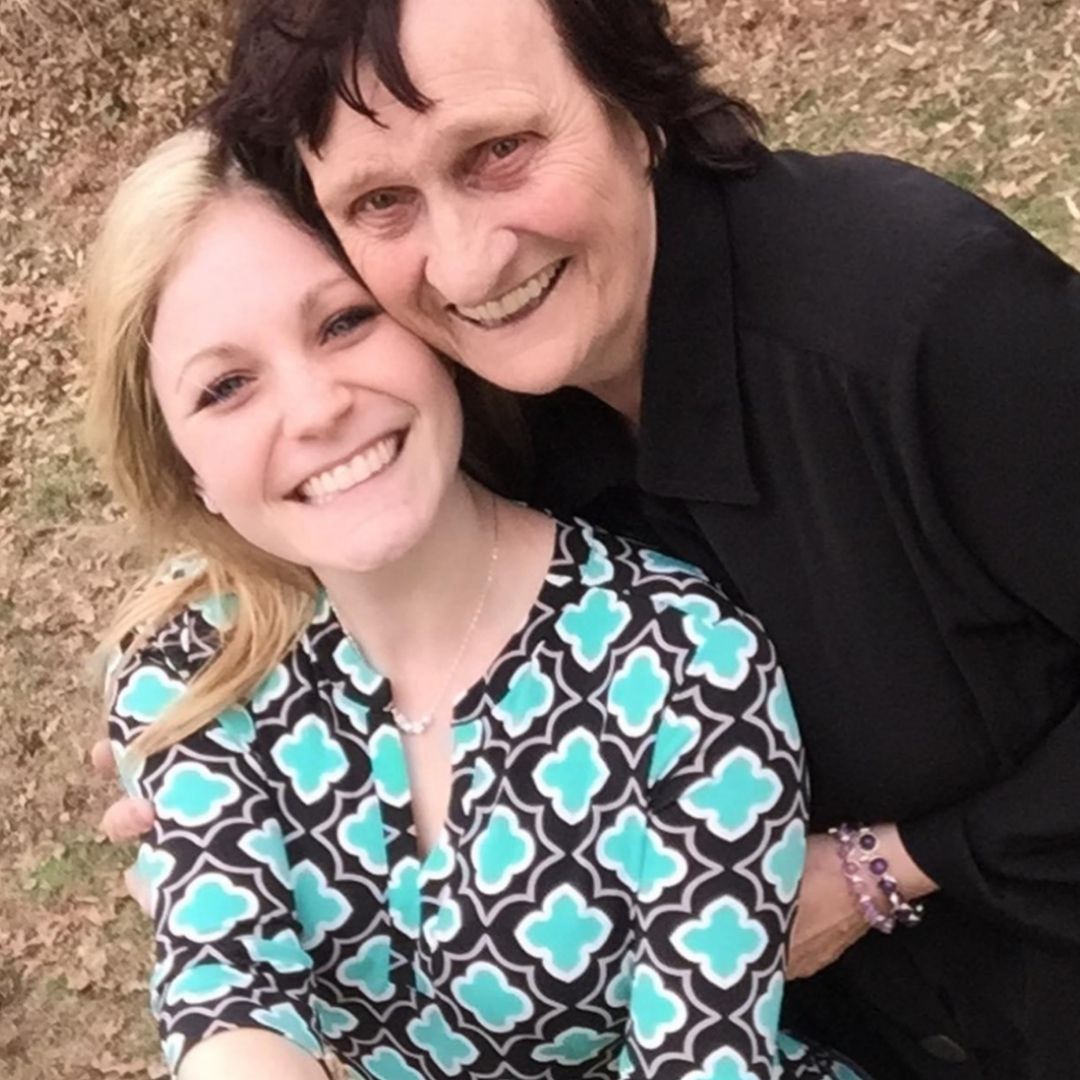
x=512, y=225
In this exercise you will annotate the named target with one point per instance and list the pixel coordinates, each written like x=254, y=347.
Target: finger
x=101, y=757
x=127, y=819
x=138, y=889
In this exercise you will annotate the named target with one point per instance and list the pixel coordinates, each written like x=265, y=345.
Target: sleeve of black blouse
x=722, y=847
x=228, y=946
x=994, y=411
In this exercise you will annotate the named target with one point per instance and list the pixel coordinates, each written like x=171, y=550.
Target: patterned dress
x=609, y=896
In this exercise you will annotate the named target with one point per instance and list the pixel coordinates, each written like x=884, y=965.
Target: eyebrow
x=223, y=351
x=310, y=300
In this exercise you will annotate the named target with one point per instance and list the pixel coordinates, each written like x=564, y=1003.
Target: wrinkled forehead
x=478, y=38
x=456, y=50
x=482, y=66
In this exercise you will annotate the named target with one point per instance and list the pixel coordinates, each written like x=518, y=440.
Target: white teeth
x=362, y=467
x=505, y=307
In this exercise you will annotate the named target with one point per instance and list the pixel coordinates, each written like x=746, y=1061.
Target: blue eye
x=221, y=390
x=345, y=322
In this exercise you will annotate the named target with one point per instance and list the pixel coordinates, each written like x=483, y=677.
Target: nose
x=314, y=402
x=468, y=252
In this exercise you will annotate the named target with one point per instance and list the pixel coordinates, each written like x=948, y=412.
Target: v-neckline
x=471, y=705
x=469, y=700
x=409, y=873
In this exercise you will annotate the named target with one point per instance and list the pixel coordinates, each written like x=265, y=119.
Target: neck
x=623, y=391
x=415, y=610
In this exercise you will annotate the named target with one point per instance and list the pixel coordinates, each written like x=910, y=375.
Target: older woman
x=444, y=786
x=846, y=388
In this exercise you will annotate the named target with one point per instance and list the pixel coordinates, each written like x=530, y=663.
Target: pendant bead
x=408, y=725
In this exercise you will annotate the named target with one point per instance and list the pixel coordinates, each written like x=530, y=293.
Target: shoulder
x=668, y=601
x=186, y=639
x=845, y=255
x=856, y=205
x=152, y=668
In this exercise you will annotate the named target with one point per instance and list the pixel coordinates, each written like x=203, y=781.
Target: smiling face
x=323, y=432
x=512, y=225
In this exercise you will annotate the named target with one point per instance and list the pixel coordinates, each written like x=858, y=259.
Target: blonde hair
x=143, y=234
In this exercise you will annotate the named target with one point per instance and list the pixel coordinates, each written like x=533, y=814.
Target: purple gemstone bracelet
x=857, y=847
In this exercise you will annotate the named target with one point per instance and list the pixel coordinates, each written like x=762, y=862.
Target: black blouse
x=862, y=411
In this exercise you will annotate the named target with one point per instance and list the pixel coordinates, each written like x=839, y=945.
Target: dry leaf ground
x=985, y=92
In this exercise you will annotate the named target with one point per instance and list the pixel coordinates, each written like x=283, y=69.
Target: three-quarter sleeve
x=722, y=848
x=987, y=422
x=229, y=950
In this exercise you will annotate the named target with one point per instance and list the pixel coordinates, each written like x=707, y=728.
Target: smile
x=366, y=465
x=517, y=303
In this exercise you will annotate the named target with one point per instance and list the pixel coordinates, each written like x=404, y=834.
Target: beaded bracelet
x=856, y=846
x=847, y=848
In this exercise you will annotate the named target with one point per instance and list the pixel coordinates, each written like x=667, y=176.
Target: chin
x=375, y=546
x=539, y=371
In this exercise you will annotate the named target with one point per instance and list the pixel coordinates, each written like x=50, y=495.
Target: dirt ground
x=985, y=93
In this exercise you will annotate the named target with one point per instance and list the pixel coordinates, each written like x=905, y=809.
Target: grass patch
x=963, y=176
x=64, y=489
x=1046, y=216
x=938, y=111
x=80, y=866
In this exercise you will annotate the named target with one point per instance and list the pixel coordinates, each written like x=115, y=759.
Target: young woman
x=443, y=786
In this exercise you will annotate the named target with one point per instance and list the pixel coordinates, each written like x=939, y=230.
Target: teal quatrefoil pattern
x=656, y=1011
x=784, y=861
x=732, y=801
x=211, y=908
x=320, y=907
x=312, y=758
x=575, y=1046
x=431, y=1033
x=572, y=775
x=723, y=1064
x=724, y=942
x=639, y=856
x=486, y=992
x=388, y=1064
x=205, y=983
x=283, y=952
x=639, y=691
x=565, y=933
x=592, y=626
x=192, y=795
x=369, y=970
x=362, y=834
x=608, y=894
x=502, y=851
x=528, y=697
x=148, y=694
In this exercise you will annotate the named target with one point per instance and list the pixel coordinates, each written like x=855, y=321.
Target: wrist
x=877, y=888
x=913, y=882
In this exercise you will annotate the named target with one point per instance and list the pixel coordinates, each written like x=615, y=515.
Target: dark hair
x=291, y=60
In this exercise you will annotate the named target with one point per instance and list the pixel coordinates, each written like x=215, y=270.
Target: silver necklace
x=420, y=724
